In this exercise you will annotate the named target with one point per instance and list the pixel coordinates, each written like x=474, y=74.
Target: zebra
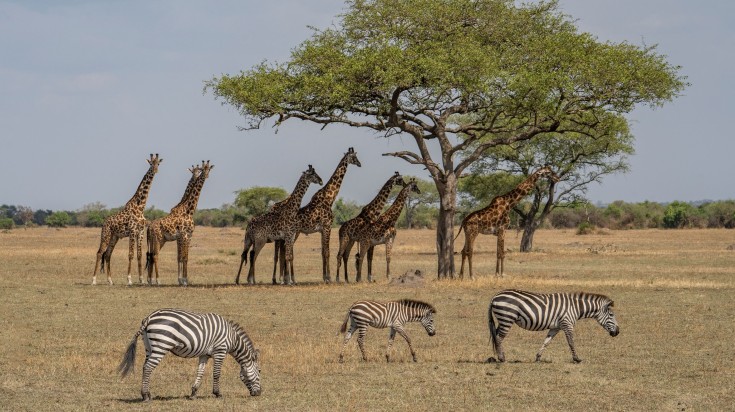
x=386, y=314
x=187, y=335
x=555, y=311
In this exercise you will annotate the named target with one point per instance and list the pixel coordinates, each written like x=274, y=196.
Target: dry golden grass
x=674, y=291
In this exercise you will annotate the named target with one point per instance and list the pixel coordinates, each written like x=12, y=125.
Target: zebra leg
x=148, y=367
x=361, y=341
x=391, y=336
x=219, y=358
x=348, y=336
x=569, y=333
x=200, y=372
x=405, y=336
x=548, y=339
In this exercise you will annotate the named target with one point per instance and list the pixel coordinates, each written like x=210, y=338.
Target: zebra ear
x=612, y=304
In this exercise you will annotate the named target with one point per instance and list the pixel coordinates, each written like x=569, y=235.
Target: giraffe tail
x=460, y=231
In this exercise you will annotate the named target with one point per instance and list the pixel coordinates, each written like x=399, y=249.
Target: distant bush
x=6, y=223
x=58, y=219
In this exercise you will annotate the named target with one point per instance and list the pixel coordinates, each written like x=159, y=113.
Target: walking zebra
x=381, y=315
x=188, y=335
x=555, y=311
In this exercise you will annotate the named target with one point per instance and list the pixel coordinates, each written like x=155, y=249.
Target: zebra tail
x=493, y=330
x=128, y=363
x=343, y=328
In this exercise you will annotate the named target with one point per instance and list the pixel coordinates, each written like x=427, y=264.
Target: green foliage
x=6, y=223
x=344, y=211
x=678, y=215
x=58, y=219
x=256, y=200
x=152, y=213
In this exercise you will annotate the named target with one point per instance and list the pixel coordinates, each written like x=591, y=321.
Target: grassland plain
x=674, y=295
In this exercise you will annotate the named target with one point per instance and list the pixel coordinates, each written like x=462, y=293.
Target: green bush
x=6, y=223
x=58, y=219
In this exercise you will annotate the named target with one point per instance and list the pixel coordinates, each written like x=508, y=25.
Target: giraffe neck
x=328, y=193
x=372, y=210
x=514, y=196
x=294, y=200
x=394, y=211
x=190, y=205
x=140, y=197
x=187, y=192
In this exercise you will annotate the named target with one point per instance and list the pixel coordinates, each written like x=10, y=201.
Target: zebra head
x=428, y=321
x=606, y=319
x=250, y=372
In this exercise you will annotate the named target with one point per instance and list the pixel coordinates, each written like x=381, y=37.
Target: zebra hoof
x=493, y=360
x=217, y=394
x=577, y=360
x=146, y=397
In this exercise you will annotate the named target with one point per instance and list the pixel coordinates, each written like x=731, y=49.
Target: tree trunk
x=445, y=227
x=527, y=238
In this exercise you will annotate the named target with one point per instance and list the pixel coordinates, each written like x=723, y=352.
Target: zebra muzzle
x=615, y=332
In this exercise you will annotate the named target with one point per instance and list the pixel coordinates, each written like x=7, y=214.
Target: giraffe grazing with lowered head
x=276, y=224
x=367, y=215
x=128, y=222
x=381, y=231
x=317, y=215
x=177, y=225
x=495, y=218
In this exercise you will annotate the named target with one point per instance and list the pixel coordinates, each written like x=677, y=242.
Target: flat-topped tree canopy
x=467, y=75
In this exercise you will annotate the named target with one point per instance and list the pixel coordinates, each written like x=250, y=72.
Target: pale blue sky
x=89, y=88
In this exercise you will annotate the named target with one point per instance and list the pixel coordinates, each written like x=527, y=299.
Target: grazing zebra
x=391, y=314
x=188, y=335
x=554, y=311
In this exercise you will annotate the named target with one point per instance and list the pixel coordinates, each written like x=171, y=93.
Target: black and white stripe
x=554, y=311
x=188, y=335
x=393, y=315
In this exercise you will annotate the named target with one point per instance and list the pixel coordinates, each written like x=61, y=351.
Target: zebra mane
x=418, y=303
x=601, y=297
x=239, y=331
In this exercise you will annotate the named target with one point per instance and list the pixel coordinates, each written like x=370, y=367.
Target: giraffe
x=277, y=224
x=368, y=214
x=195, y=171
x=381, y=231
x=128, y=222
x=495, y=218
x=177, y=225
x=317, y=215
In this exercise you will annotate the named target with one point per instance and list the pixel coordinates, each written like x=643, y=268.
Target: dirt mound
x=412, y=278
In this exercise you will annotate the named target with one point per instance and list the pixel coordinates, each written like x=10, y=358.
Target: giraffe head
x=546, y=171
x=205, y=168
x=312, y=176
x=154, y=162
x=351, y=157
x=412, y=186
x=397, y=180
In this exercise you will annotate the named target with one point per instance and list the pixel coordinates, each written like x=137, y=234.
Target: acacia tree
x=463, y=75
x=579, y=159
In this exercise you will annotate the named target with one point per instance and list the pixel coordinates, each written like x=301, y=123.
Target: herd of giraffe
x=286, y=220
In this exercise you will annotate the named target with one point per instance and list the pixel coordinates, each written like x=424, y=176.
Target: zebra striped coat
x=555, y=312
x=393, y=315
x=187, y=335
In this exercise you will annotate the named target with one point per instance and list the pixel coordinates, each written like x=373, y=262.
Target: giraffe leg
x=359, y=259
x=326, y=232
x=131, y=256
x=257, y=246
x=369, y=258
x=340, y=255
x=500, y=253
x=288, y=257
x=549, y=337
x=182, y=253
x=469, y=250
x=388, y=251
x=139, y=243
x=346, y=257
x=243, y=258
x=107, y=257
x=275, y=263
x=104, y=241
x=200, y=373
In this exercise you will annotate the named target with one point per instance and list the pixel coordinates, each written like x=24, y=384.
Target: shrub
x=58, y=219
x=6, y=223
